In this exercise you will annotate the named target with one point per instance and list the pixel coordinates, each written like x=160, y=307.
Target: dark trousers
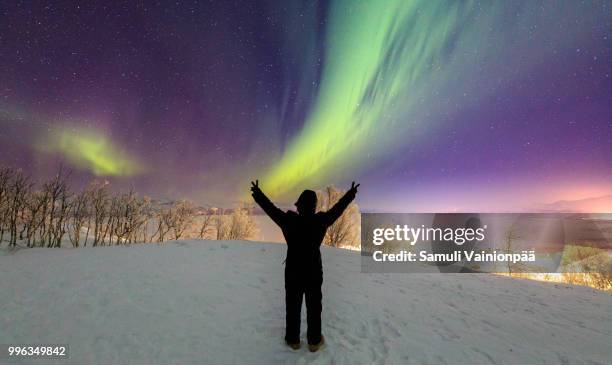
x=295, y=290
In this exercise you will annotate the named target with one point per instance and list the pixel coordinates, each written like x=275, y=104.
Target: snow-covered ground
x=209, y=302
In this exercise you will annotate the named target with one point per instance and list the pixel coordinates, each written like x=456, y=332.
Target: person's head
x=307, y=202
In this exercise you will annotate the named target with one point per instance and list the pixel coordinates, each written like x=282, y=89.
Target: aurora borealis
x=91, y=151
x=431, y=105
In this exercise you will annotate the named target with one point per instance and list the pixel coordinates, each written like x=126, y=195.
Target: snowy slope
x=206, y=302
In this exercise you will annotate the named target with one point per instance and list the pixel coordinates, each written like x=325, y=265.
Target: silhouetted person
x=304, y=231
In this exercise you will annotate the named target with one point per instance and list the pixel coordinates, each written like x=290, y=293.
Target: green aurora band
x=91, y=150
x=391, y=68
x=84, y=148
x=378, y=52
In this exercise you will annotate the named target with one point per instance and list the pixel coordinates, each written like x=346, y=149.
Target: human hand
x=255, y=187
x=353, y=188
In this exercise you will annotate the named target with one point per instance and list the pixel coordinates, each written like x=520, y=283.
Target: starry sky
x=431, y=105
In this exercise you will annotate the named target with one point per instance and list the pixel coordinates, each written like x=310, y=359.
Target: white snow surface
x=222, y=302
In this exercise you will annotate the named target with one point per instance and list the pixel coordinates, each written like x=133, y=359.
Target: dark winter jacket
x=303, y=233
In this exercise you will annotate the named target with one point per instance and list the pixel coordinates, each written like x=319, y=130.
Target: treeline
x=46, y=215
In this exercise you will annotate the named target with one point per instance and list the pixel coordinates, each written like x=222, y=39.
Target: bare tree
x=239, y=225
x=510, y=238
x=18, y=190
x=345, y=231
x=146, y=213
x=221, y=224
x=35, y=216
x=99, y=201
x=164, y=223
x=113, y=220
x=78, y=216
x=59, y=205
x=207, y=225
x=132, y=215
x=182, y=218
x=121, y=214
x=6, y=177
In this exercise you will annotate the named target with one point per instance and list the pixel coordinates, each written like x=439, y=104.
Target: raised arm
x=262, y=200
x=336, y=211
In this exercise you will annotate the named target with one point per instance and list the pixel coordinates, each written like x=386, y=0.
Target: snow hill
x=215, y=302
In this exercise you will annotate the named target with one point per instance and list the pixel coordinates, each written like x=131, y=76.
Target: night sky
x=432, y=106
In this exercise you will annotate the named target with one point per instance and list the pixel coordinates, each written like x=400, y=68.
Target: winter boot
x=294, y=346
x=316, y=347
